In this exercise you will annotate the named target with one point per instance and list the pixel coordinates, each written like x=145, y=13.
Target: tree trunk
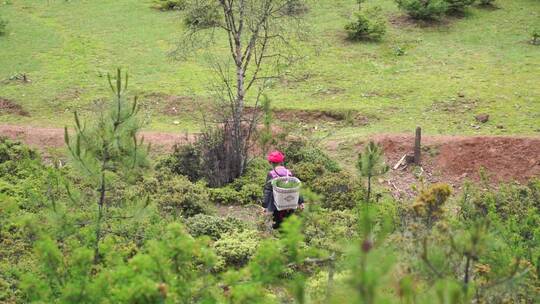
x=368, y=188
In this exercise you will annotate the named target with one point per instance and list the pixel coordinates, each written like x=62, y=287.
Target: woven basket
x=286, y=198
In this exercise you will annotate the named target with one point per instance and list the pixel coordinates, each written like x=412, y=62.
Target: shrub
x=535, y=37
x=203, y=15
x=423, y=9
x=225, y=196
x=429, y=203
x=248, y=193
x=295, y=7
x=255, y=173
x=185, y=160
x=325, y=229
x=3, y=26
x=180, y=197
x=308, y=172
x=213, y=226
x=168, y=5
x=458, y=6
x=486, y=2
x=251, y=193
x=298, y=151
x=236, y=248
x=341, y=190
x=367, y=25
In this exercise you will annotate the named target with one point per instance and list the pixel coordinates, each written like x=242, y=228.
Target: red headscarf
x=276, y=157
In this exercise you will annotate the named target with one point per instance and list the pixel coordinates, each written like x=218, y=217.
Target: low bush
x=341, y=190
x=325, y=229
x=3, y=26
x=367, y=25
x=252, y=193
x=168, y=5
x=295, y=7
x=298, y=151
x=213, y=226
x=236, y=248
x=487, y=2
x=205, y=14
x=423, y=9
x=458, y=6
x=255, y=173
x=178, y=196
x=535, y=37
x=308, y=172
x=185, y=160
x=228, y=195
x=225, y=196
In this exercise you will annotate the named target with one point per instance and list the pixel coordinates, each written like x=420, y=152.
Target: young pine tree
x=371, y=163
x=107, y=149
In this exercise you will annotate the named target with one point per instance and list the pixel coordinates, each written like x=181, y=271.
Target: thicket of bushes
x=481, y=245
x=433, y=9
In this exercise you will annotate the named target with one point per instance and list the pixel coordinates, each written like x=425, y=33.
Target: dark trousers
x=280, y=216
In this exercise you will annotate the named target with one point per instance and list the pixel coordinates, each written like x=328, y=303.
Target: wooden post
x=417, y=145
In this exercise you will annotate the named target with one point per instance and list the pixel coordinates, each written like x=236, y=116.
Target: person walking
x=276, y=159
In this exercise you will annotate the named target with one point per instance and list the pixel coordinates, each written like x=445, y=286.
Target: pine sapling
x=370, y=164
x=109, y=147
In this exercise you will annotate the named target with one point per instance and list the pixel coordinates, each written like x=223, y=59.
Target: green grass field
x=66, y=48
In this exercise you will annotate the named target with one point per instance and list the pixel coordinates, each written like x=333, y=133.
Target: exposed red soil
x=10, y=107
x=450, y=159
x=453, y=159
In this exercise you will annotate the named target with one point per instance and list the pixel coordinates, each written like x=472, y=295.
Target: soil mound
x=454, y=158
x=10, y=107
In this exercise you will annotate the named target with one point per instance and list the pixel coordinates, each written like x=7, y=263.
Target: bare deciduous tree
x=258, y=36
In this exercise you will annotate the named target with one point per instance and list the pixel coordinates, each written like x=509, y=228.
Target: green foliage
x=326, y=229
x=226, y=196
x=298, y=151
x=168, y=5
x=430, y=202
x=535, y=37
x=513, y=211
x=286, y=184
x=423, y=9
x=487, y=2
x=367, y=25
x=203, y=14
x=308, y=172
x=341, y=190
x=236, y=248
x=3, y=26
x=107, y=150
x=185, y=160
x=177, y=196
x=371, y=163
x=458, y=6
x=213, y=226
x=295, y=7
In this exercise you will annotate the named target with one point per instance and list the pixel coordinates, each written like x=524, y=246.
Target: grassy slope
x=67, y=47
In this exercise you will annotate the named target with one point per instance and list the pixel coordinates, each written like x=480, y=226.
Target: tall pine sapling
x=371, y=163
x=108, y=148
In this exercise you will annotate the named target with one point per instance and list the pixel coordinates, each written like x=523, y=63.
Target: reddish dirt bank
x=43, y=138
x=445, y=158
x=456, y=158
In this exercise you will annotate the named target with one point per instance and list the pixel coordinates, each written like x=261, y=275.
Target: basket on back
x=286, y=197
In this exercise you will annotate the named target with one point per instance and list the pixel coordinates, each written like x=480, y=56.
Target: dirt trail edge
x=44, y=138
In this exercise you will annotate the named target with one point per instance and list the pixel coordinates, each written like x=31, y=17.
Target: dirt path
x=449, y=159
x=43, y=138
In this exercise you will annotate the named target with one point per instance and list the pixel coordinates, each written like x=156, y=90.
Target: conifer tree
x=371, y=163
x=108, y=148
